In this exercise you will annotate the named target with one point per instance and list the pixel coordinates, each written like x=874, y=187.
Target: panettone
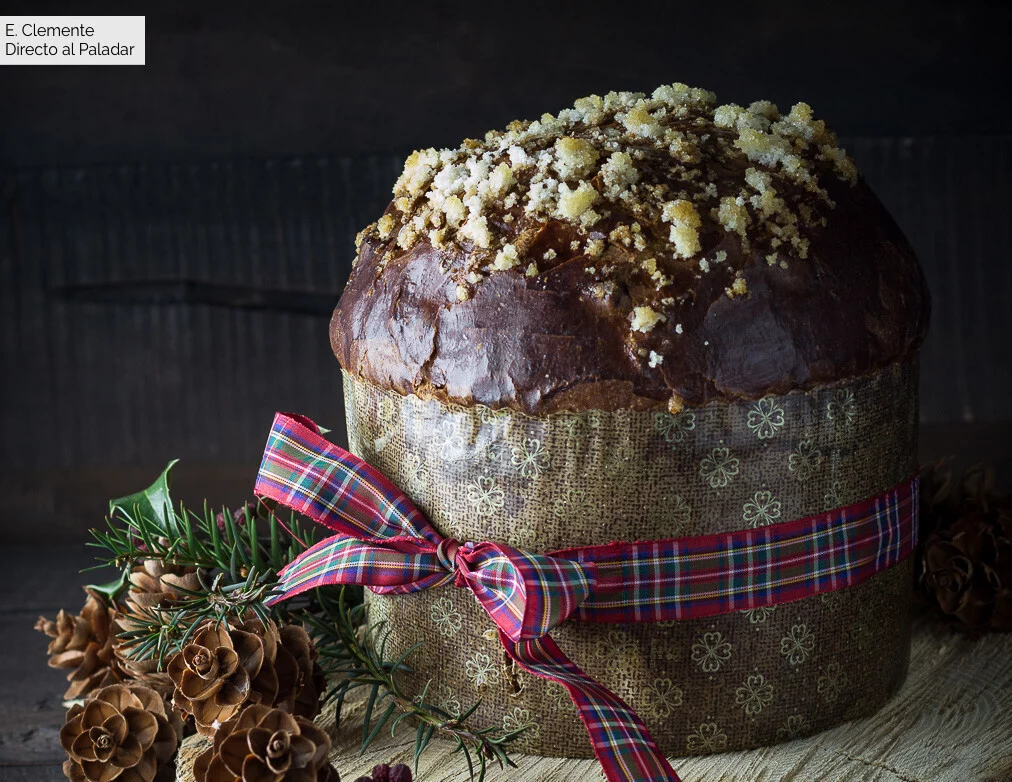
x=632, y=253
x=646, y=317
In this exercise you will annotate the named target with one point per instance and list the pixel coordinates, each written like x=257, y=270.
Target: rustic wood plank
x=44, y=579
x=31, y=704
x=35, y=580
x=62, y=504
x=337, y=79
x=37, y=773
x=127, y=384
x=950, y=722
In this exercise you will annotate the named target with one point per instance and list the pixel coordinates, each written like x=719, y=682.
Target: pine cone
x=154, y=586
x=121, y=732
x=966, y=565
x=83, y=644
x=385, y=773
x=227, y=666
x=263, y=744
x=300, y=679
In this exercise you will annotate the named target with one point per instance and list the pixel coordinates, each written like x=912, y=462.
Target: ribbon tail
x=623, y=746
x=345, y=560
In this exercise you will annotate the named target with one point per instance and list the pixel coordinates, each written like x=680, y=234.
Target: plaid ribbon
x=385, y=543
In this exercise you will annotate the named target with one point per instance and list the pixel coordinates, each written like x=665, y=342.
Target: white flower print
x=448, y=700
x=759, y=615
x=719, y=468
x=706, y=738
x=447, y=441
x=572, y=504
x=798, y=644
x=674, y=427
x=480, y=670
x=804, y=461
x=578, y=425
x=761, y=510
x=495, y=419
x=831, y=682
x=831, y=600
x=841, y=406
x=766, y=418
x=619, y=458
x=445, y=616
x=485, y=495
x=710, y=651
x=662, y=697
x=754, y=695
x=524, y=538
x=679, y=515
x=831, y=499
x=615, y=647
x=520, y=719
x=414, y=474
x=495, y=450
x=531, y=458
x=794, y=726
x=558, y=695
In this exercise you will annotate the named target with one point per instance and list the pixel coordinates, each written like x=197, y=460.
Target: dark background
x=173, y=235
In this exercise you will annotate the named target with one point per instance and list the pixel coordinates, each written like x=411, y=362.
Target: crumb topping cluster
x=648, y=189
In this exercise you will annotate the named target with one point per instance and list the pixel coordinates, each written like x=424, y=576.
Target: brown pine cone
x=227, y=666
x=154, y=586
x=83, y=644
x=300, y=679
x=122, y=732
x=966, y=567
x=263, y=744
x=385, y=773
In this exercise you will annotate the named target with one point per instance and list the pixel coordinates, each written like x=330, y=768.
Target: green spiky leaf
x=153, y=504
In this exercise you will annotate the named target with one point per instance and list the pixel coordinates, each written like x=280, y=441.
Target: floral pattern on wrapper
x=755, y=676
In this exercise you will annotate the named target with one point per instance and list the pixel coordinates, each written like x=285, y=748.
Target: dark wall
x=173, y=236
x=251, y=78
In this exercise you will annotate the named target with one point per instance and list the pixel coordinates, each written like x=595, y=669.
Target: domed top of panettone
x=632, y=252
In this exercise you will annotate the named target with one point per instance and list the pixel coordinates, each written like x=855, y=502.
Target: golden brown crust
x=721, y=272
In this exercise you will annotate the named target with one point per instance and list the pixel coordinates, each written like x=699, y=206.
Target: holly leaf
x=153, y=503
x=113, y=589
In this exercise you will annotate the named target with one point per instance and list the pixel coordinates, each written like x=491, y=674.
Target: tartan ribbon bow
x=384, y=542
x=526, y=595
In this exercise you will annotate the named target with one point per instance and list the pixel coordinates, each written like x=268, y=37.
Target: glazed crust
x=540, y=344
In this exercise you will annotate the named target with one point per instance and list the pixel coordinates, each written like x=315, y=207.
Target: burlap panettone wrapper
x=723, y=683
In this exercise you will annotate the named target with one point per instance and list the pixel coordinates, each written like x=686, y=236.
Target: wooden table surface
x=952, y=721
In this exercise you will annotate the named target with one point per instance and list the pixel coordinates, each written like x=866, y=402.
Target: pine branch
x=338, y=625
x=209, y=541
x=161, y=632
x=237, y=558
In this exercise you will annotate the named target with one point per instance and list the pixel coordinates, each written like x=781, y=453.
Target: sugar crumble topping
x=650, y=190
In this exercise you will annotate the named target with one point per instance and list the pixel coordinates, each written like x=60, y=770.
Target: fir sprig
x=362, y=662
x=237, y=559
x=161, y=632
x=210, y=541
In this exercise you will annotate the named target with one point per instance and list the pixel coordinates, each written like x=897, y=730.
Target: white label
x=72, y=40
